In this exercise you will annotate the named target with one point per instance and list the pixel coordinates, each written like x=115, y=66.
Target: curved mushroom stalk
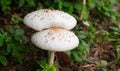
x=51, y=57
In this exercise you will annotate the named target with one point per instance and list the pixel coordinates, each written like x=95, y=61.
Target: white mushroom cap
x=46, y=18
x=55, y=39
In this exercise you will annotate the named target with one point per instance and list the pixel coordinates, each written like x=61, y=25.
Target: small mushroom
x=46, y=18
x=56, y=40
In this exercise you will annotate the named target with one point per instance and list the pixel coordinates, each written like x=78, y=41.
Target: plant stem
x=51, y=56
x=84, y=2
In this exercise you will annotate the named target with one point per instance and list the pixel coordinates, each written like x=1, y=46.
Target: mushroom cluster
x=53, y=28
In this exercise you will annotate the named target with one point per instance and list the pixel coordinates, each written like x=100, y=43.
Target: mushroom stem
x=51, y=56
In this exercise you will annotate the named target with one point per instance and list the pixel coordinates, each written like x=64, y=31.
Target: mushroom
x=46, y=18
x=52, y=27
x=55, y=40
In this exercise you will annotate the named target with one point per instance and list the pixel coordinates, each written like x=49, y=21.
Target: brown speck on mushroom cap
x=55, y=42
x=46, y=18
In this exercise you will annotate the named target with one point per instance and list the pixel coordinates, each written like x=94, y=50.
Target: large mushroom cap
x=55, y=39
x=46, y=18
